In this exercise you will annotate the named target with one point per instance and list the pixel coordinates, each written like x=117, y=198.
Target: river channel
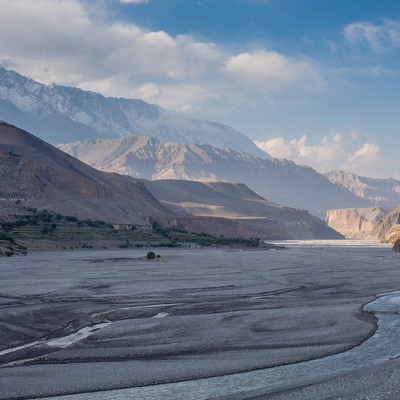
x=382, y=346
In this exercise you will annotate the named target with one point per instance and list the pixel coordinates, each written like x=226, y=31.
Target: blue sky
x=315, y=81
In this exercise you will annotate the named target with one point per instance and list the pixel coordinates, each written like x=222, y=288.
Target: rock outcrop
x=356, y=222
x=388, y=230
x=396, y=246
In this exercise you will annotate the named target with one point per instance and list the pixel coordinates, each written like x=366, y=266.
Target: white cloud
x=322, y=157
x=331, y=153
x=376, y=36
x=62, y=41
x=147, y=92
x=268, y=70
x=59, y=40
x=364, y=159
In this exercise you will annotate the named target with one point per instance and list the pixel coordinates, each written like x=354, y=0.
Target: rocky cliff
x=356, y=222
x=388, y=230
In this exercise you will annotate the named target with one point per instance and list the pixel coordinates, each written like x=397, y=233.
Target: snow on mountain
x=60, y=114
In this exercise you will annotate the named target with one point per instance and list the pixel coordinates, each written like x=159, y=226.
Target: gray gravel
x=195, y=313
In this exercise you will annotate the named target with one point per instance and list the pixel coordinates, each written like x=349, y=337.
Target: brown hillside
x=249, y=214
x=43, y=176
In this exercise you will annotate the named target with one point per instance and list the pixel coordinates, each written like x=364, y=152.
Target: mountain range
x=172, y=146
x=60, y=114
x=280, y=181
x=39, y=175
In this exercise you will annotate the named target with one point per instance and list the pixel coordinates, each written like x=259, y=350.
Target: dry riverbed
x=73, y=322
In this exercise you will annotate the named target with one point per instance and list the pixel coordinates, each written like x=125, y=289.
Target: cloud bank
x=330, y=154
x=64, y=42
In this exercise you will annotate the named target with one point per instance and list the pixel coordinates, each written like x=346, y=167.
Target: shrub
x=151, y=255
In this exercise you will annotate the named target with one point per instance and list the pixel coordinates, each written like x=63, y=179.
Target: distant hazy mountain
x=380, y=192
x=60, y=114
x=280, y=181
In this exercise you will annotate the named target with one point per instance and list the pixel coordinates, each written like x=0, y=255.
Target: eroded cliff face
x=357, y=222
x=388, y=230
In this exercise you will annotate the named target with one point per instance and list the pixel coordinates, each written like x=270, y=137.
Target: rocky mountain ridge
x=280, y=181
x=380, y=192
x=60, y=114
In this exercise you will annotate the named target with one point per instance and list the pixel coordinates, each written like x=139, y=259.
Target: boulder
x=396, y=246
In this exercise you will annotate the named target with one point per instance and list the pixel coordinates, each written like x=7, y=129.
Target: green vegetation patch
x=46, y=229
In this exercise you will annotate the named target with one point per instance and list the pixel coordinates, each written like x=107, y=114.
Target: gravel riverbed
x=194, y=313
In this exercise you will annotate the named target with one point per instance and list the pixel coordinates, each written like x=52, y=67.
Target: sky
x=313, y=81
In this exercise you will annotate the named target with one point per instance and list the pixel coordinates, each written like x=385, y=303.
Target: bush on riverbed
x=151, y=255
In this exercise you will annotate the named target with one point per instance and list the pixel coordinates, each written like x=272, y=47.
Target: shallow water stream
x=383, y=345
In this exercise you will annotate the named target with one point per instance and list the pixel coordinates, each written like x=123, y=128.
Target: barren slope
x=253, y=215
x=44, y=176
